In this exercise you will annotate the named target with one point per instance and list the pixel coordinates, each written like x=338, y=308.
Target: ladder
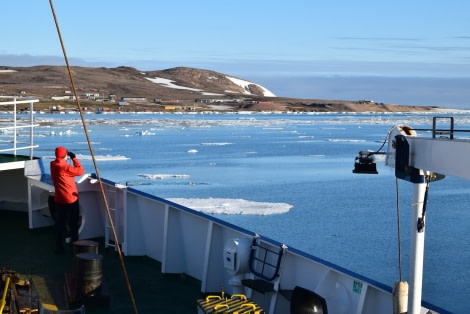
x=116, y=196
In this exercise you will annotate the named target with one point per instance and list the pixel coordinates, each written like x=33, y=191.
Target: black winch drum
x=85, y=246
x=87, y=273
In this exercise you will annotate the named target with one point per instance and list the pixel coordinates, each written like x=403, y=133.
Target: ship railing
x=174, y=235
x=12, y=128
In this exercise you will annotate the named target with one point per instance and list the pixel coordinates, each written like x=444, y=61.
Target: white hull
x=193, y=243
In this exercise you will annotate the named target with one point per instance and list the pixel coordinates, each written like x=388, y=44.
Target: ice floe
x=216, y=144
x=100, y=157
x=144, y=133
x=226, y=206
x=163, y=176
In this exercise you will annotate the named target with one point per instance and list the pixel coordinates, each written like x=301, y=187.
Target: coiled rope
x=94, y=161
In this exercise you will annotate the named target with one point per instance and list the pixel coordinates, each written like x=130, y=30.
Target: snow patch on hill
x=242, y=83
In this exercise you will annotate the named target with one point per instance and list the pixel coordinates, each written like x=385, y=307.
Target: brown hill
x=192, y=89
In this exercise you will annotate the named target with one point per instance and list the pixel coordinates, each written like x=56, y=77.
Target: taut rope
x=94, y=161
x=400, y=288
x=398, y=227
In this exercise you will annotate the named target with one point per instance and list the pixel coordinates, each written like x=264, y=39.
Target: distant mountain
x=183, y=86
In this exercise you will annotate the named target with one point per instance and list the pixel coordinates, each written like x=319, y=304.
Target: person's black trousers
x=65, y=213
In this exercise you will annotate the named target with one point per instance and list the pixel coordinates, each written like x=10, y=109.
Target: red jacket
x=63, y=178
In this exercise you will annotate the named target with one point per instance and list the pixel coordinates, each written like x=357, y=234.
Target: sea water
x=287, y=177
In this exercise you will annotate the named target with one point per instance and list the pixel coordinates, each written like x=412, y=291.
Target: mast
x=420, y=161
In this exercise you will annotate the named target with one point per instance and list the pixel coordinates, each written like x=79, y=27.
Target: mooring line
x=116, y=240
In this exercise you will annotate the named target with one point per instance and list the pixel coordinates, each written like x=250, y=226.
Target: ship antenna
x=94, y=160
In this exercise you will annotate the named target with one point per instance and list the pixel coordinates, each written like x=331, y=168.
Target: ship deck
x=30, y=252
x=6, y=158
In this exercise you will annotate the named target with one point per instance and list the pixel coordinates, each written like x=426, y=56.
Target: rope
x=398, y=227
x=94, y=161
x=383, y=143
x=421, y=221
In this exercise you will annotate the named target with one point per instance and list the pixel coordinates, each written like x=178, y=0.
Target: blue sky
x=260, y=40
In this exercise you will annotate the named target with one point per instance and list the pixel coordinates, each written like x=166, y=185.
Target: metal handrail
x=436, y=131
x=15, y=101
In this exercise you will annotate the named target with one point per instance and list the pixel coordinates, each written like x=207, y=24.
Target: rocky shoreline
x=126, y=89
x=70, y=107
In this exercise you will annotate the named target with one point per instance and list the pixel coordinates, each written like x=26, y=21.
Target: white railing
x=14, y=125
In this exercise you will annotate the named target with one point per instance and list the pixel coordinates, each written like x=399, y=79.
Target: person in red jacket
x=66, y=195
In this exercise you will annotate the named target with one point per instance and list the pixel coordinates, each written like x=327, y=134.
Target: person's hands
x=71, y=155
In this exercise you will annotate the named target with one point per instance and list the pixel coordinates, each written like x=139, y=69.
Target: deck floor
x=6, y=158
x=31, y=252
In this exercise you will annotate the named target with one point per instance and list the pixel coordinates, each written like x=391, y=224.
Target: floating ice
x=144, y=133
x=86, y=143
x=341, y=140
x=61, y=133
x=216, y=144
x=229, y=206
x=277, y=122
x=163, y=176
x=102, y=157
x=379, y=158
x=192, y=151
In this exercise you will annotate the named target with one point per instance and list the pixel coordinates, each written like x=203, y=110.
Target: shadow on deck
x=31, y=252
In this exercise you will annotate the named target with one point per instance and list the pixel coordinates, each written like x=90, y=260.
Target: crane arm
x=444, y=156
x=450, y=157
